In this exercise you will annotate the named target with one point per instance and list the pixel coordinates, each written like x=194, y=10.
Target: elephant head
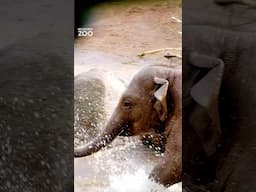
x=144, y=107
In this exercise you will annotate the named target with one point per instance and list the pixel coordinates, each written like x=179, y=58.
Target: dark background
x=36, y=95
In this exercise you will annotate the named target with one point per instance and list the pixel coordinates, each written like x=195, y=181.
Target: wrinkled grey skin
x=219, y=96
x=226, y=33
x=232, y=16
x=96, y=92
x=151, y=101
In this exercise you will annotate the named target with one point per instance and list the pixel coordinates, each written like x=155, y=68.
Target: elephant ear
x=206, y=121
x=160, y=95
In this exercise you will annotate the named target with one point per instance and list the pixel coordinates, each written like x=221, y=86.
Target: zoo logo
x=85, y=32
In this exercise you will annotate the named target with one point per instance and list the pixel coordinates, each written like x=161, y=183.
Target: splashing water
x=128, y=182
x=123, y=168
x=138, y=182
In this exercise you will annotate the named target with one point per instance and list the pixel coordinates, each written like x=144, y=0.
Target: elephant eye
x=127, y=104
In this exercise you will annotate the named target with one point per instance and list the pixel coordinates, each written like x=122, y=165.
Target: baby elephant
x=150, y=104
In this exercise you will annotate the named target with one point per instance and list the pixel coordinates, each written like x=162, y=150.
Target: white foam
x=138, y=182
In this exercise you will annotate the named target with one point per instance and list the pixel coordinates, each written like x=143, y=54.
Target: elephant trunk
x=112, y=130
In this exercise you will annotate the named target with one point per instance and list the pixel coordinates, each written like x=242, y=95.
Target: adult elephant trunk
x=113, y=128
